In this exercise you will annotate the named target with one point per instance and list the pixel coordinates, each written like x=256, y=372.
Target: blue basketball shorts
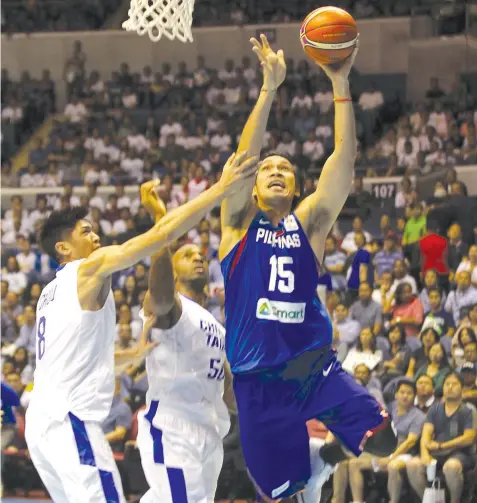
x=274, y=407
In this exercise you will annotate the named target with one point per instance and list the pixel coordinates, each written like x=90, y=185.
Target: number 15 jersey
x=272, y=311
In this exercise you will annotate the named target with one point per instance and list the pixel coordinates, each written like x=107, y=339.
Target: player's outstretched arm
x=319, y=211
x=238, y=209
x=102, y=263
x=161, y=298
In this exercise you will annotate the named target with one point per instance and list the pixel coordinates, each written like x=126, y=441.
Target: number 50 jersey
x=272, y=311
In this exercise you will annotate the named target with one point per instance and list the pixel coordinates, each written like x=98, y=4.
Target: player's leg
x=352, y=414
x=40, y=450
x=320, y=472
x=78, y=457
x=171, y=460
x=212, y=465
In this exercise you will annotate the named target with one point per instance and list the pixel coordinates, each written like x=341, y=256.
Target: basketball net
x=171, y=18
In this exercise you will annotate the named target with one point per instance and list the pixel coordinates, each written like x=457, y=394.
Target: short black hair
x=299, y=179
x=406, y=382
x=456, y=375
x=57, y=225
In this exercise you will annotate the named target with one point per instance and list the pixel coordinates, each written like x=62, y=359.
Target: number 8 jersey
x=272, y=311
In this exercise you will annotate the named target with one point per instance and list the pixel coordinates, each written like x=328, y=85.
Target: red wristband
x=341, y=100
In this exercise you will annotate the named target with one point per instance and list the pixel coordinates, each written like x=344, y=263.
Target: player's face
x=82, y=242
x=275, y=182
x=190, y=265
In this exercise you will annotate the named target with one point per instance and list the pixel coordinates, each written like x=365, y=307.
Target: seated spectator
x=118, y=421
x=397, y=360
x=437, y=367
x=349, y=243
x=469, y=264
x=10, y=400
x=468, y=372
x=75, y=111
x=447, y=436
x=424, y=393
x=460, y=300
x=407, y=310
x=431, y=282
x=439, y=319
x=124, y=317
x=457, y=248
x=21, y=364
x=383, y=293
x=363, y=375
x=385, y=258
x=17, y=280
x=358, y=267
x=346, y=331
x=463, y=336
x=408, y=421
x=27, y=338
x=400, y=275
x=365, y=352
x=365, y=311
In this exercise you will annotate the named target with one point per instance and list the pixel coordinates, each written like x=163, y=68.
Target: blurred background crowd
x=399, y=276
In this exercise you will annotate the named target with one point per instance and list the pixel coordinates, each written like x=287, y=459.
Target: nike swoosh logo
x=327, y=371
x=264, y=222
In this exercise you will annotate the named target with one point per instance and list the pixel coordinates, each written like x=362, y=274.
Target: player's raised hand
x=237, y=170
x=151, y=201
x=273, y=63
x=341, y=70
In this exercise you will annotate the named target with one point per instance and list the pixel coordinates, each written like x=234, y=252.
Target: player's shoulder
x=199, y=316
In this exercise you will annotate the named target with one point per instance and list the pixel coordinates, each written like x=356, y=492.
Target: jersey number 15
x=280, y=274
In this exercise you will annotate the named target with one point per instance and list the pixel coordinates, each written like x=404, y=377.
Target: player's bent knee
x=383, y=442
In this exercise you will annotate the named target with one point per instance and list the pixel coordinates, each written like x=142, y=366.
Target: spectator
x=26, y=258
x=362, y=374
x=438, y=318
x=433, y=251
x=462, y=298
x=470, y=265
x=346, y=331
x=468, y=372
x=408, y=422
x=447, y=436
x=10, y=400
x=424, y=393
x=457, y=248
x=17, y=280
x=431, y=282
x=75, y=111
x=365, y=311
x=420, y=356
x=358, y=267
x=27, y=337
x=401, y=275
x=397, y=361
x=349, y=243
x=407, y=311
x=384, y=259
x=365, y=352
x=437, y=367
x=334, y=260
x=383, y=293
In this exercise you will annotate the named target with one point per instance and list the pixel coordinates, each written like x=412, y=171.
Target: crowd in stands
x=53, y=15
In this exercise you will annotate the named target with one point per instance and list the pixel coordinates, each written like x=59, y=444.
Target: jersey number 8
x=41, y=337
x=286, y=278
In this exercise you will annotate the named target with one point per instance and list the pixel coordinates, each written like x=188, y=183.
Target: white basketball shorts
x=73, y=459
x=181, y=459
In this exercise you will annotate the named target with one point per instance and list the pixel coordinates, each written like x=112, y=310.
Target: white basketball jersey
x=75, y=352
x=186, y=370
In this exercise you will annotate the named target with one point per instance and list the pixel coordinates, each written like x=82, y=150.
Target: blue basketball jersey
x=272, y=311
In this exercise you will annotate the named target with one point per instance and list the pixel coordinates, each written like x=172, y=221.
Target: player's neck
x=191, y=294
x=274, y=215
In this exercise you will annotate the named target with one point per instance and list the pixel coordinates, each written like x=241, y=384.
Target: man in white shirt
x=349, y=244
x=313, y=148
x=25, y=257
x=170, y=127
x=301, y=100
x=107, y=148
x=372, y=99
x=13, y=113
x=288, y=145
x=221, y=140
x=406, y=136
x=137, y=140
x=31, y=178
x=75, y=111
x=401, y=275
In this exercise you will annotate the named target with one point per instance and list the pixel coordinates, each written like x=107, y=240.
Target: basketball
x=328, y=35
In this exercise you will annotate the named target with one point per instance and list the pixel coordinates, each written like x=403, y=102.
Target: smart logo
x=283, y=312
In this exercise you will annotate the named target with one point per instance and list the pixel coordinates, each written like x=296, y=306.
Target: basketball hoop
x=171, y=18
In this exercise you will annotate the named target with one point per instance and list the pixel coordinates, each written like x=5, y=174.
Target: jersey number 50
x=279, y=271
x=41, y=337
x=216, y=369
